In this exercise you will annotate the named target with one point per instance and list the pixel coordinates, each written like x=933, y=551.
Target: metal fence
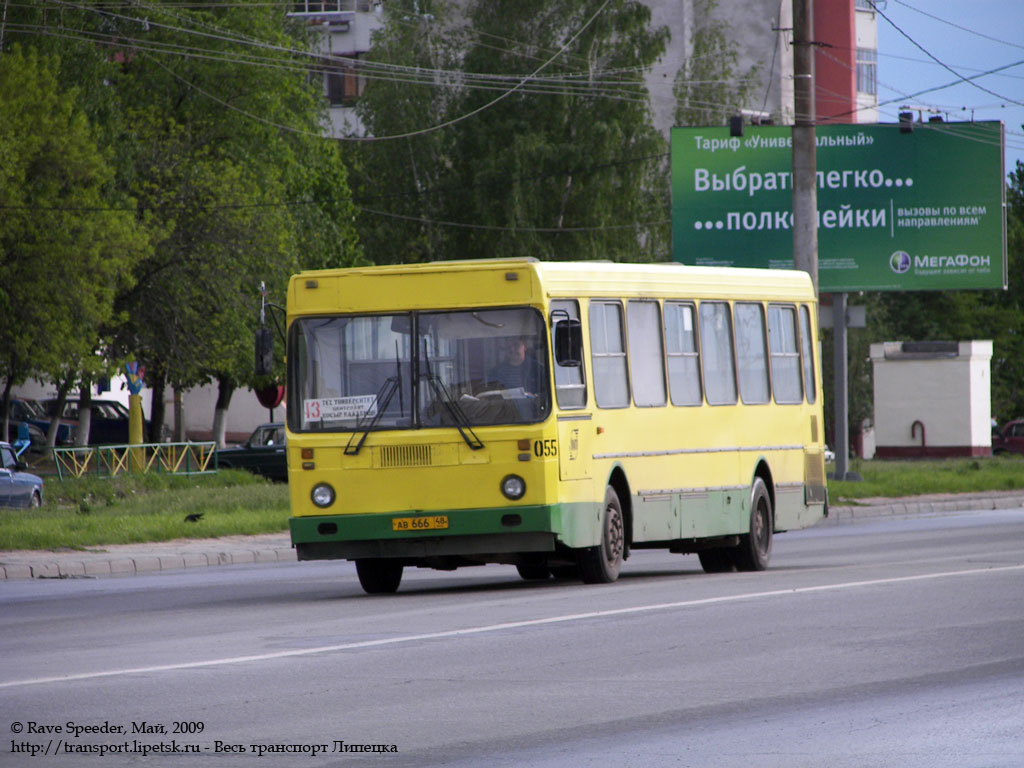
x=112, y=460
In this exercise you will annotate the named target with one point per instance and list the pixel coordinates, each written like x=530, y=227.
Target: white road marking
x=501, y=627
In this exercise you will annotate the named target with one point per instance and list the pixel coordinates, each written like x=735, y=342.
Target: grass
x=914, y=477
x=140, y=508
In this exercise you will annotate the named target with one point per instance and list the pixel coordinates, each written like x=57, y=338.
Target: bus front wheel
x=533, y=572
x=756, y=547
x=379, y=576
x=601, y=564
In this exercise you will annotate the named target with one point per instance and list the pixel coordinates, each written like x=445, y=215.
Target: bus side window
x=646, y=357
x=608, y=355
x=716, y=352
x=785, y=355
x=807, y=348
x=570, y=382
x=750, y=353
x=681, y=352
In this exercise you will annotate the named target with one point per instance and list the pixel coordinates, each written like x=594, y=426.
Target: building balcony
x=331, y=12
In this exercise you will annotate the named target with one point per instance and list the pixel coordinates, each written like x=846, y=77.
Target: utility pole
x=805, y=161
x=805, y=211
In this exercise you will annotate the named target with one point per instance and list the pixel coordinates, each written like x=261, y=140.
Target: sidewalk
x=124, y=559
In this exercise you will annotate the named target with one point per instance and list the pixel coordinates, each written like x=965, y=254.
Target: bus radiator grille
x=392, y=456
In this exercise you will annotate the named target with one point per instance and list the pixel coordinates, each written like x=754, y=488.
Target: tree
x=66, y=247
x=215, y=128
x=549, y=149
x=399, y=182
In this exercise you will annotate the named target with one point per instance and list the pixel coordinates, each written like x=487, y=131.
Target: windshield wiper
x=387, y=391
x=384, y=395
x=455, y=411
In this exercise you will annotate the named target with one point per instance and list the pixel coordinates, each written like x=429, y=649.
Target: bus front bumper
x=479, y=534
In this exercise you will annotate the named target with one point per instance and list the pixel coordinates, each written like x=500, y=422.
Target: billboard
x=897, y=211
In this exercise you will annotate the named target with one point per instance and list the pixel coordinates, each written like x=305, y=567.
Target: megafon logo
x=899, y=262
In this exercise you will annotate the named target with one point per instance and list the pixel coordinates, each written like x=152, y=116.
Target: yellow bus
x=555, y=416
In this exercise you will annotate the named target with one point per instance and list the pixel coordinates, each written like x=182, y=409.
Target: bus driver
x=517, y=367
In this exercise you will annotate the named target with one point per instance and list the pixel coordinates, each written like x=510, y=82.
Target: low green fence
x=111, y=460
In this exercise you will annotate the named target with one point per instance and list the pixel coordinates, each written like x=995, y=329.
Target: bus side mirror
x=264, y=352
x=568, y=343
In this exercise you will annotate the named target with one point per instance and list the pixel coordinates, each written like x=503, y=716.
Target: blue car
x=18, y=488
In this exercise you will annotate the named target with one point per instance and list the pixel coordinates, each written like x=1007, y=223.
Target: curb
x=922, y=506
x=71, y=565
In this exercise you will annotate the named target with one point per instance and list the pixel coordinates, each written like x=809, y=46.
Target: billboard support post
x=840, y=361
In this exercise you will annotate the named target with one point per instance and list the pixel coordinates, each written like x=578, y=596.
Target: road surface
x=898, y=642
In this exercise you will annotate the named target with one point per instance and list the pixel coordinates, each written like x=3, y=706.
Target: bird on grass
x=193, y=517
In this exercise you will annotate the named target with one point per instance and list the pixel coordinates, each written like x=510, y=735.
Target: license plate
x=433, y=523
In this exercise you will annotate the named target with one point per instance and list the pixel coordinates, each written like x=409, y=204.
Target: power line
x=495, y=228
x=957, y=26
x=945, y=66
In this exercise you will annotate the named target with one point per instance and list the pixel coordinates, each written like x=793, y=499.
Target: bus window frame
x=569, y=306
x=731, y=357
x=792, y=308
x=628, y=399
x=808, y=370
x=765, y=358
x=695, y=333
x=658, y=327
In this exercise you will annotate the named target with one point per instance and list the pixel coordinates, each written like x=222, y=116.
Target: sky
x=969, y=37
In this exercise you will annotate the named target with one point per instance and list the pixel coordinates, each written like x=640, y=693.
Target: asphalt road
x=898, y=642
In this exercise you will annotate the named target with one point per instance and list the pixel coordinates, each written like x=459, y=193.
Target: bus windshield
x=418, y=369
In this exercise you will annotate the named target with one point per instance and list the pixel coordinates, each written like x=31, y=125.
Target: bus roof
x=498, y=281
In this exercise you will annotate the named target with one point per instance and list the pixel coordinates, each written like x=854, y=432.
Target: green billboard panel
x=897, y=211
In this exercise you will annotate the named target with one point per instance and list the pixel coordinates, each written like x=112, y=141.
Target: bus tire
x=564, y=572
x=531, y=572
x=718, y=560
x=379, y=576
x=601, y=564
x=755, y=548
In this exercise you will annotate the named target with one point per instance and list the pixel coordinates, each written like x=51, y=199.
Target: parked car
x=18, y=488
x=32, y=412
x=1009, y=439
x=262, y=454
x=108, y=424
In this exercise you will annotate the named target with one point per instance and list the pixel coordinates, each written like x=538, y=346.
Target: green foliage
x=548, y=150
x=208, y=119
x=66, y=247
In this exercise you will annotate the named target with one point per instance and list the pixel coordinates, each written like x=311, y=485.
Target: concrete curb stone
x=130, y=559
x=126, y=559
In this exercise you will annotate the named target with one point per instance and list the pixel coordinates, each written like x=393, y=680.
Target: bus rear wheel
x=378, y=576
x=755, y=548
x=601, y=564
x=718, y=560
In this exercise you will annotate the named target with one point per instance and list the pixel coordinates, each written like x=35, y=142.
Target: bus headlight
x=513, y=487
x=323, y=495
